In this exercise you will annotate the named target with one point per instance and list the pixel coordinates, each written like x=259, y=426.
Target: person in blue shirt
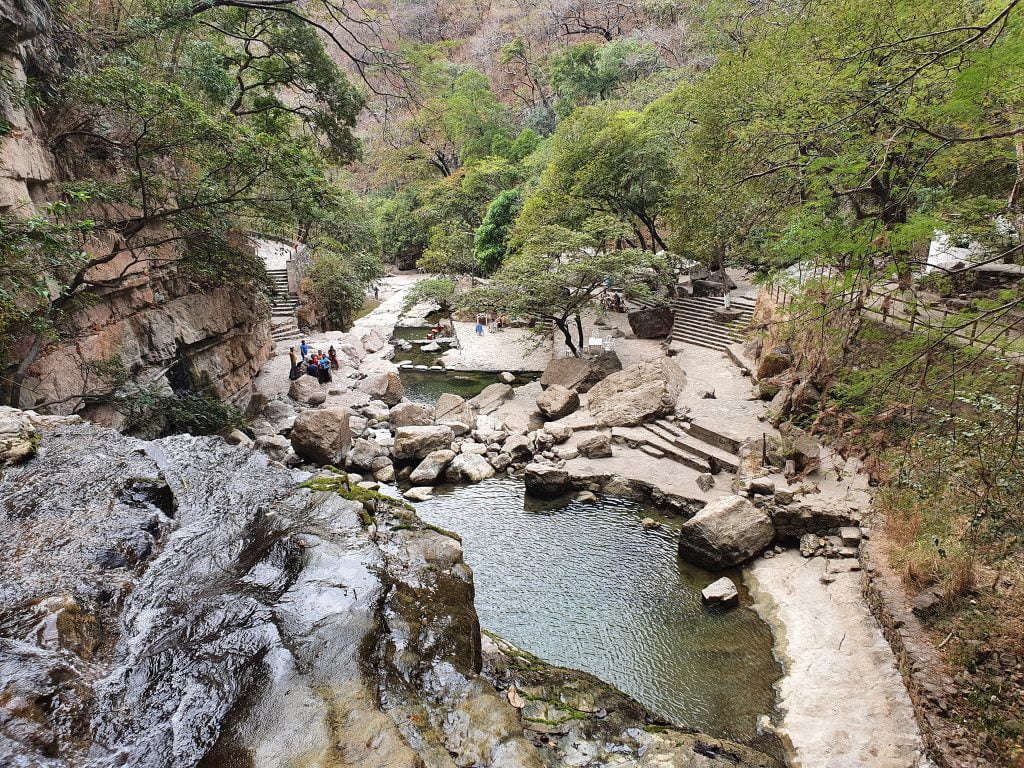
x=325, y=369
x=304, y=350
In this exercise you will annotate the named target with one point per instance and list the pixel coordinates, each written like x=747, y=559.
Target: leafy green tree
x=606, y=163
x=556, y=277
x=584, y=73
x=489, y=240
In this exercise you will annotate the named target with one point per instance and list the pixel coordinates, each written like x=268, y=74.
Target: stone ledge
x=920, y=665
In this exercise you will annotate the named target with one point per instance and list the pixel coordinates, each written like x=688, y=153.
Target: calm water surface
x=585, y=586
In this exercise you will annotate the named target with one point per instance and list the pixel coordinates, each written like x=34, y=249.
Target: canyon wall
x=161, y=327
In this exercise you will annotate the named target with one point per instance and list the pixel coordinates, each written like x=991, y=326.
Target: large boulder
x=491, y=398
x=579, y=374
x=774, y=362
x=373, y=341
x=546, y=481
x=307, y=390
x=641, y=392
x=387, y=387
x=557, y=402
x=597, y=446
x=727, y=532
x=517, y=447
x=417, y=442
x=411, y=415
x=452, y=409
x=429, y=470
x=321, y=435
x=468, y=468
x=651, y=323
x=366, y=455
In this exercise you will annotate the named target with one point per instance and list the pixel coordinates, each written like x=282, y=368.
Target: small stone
x=721, y=592
x=419, y=493
x=850, y=535
x=784, y=496
x=650, y=523
x=587, y=497
x=705, y=481
x=506, y=377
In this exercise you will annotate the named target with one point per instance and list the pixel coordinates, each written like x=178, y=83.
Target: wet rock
x=411, y=415
x=469, y=468
x=432, y=467
x=721, y=592
x=587, y=497
x=321, y=435
x=275, y=446
x=417, y=442
x=638, y=393
x=650, y=524
x=597, y=446
x=451, y=409
x=557, y=402
x=307, y=390
x=726, y=532
x=545, y=481
x=386, y=387
x=364, y=454
x=431, y=347
x=579, y=374
x=506, y=377
x=419, y=493
x=491, y=398
x=385, y=474
x=651, y=323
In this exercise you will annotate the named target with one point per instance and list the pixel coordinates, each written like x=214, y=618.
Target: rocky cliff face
x=183, y=602
x=160, y=327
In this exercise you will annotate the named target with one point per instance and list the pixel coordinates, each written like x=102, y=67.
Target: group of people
x=491, y=323
x=310, y=363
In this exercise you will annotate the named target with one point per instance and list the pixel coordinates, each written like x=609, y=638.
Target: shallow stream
x=585, y=586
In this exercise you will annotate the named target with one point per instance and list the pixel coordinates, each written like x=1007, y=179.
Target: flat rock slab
x=842, y=698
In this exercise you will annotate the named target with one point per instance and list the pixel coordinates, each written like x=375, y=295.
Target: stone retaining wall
x=950, y=745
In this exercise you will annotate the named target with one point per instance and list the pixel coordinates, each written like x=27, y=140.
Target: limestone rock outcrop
x=546, y=481
x=386, y=387
x=321, y=435
x=557, y=402
x=726, y=532
x=491, y=398
x=580, y=374
x=417, y=442
x=637, y=394
x=651, y=323
x=411, y=415
x=430, y=470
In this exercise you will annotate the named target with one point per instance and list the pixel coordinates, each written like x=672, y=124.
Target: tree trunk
x=18, y=379
x=579, y=329
x=563, y=326
x=720, y=255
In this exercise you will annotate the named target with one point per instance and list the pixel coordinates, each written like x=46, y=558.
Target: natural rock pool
x=583, y=585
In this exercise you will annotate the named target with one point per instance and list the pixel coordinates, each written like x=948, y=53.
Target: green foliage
x=489, y=240
x=339, y=483
x=584, y=73
x=440, y=290
x=340, y=280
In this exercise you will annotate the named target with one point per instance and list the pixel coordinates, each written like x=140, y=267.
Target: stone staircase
x=695, y=322
x=692, y=445
x=283, y=306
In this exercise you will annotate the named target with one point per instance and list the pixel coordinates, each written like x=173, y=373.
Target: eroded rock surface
x=182, y=603
x=641, y=392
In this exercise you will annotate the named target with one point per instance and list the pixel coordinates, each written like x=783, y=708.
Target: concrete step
x=655, y=446
x=714, y=458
